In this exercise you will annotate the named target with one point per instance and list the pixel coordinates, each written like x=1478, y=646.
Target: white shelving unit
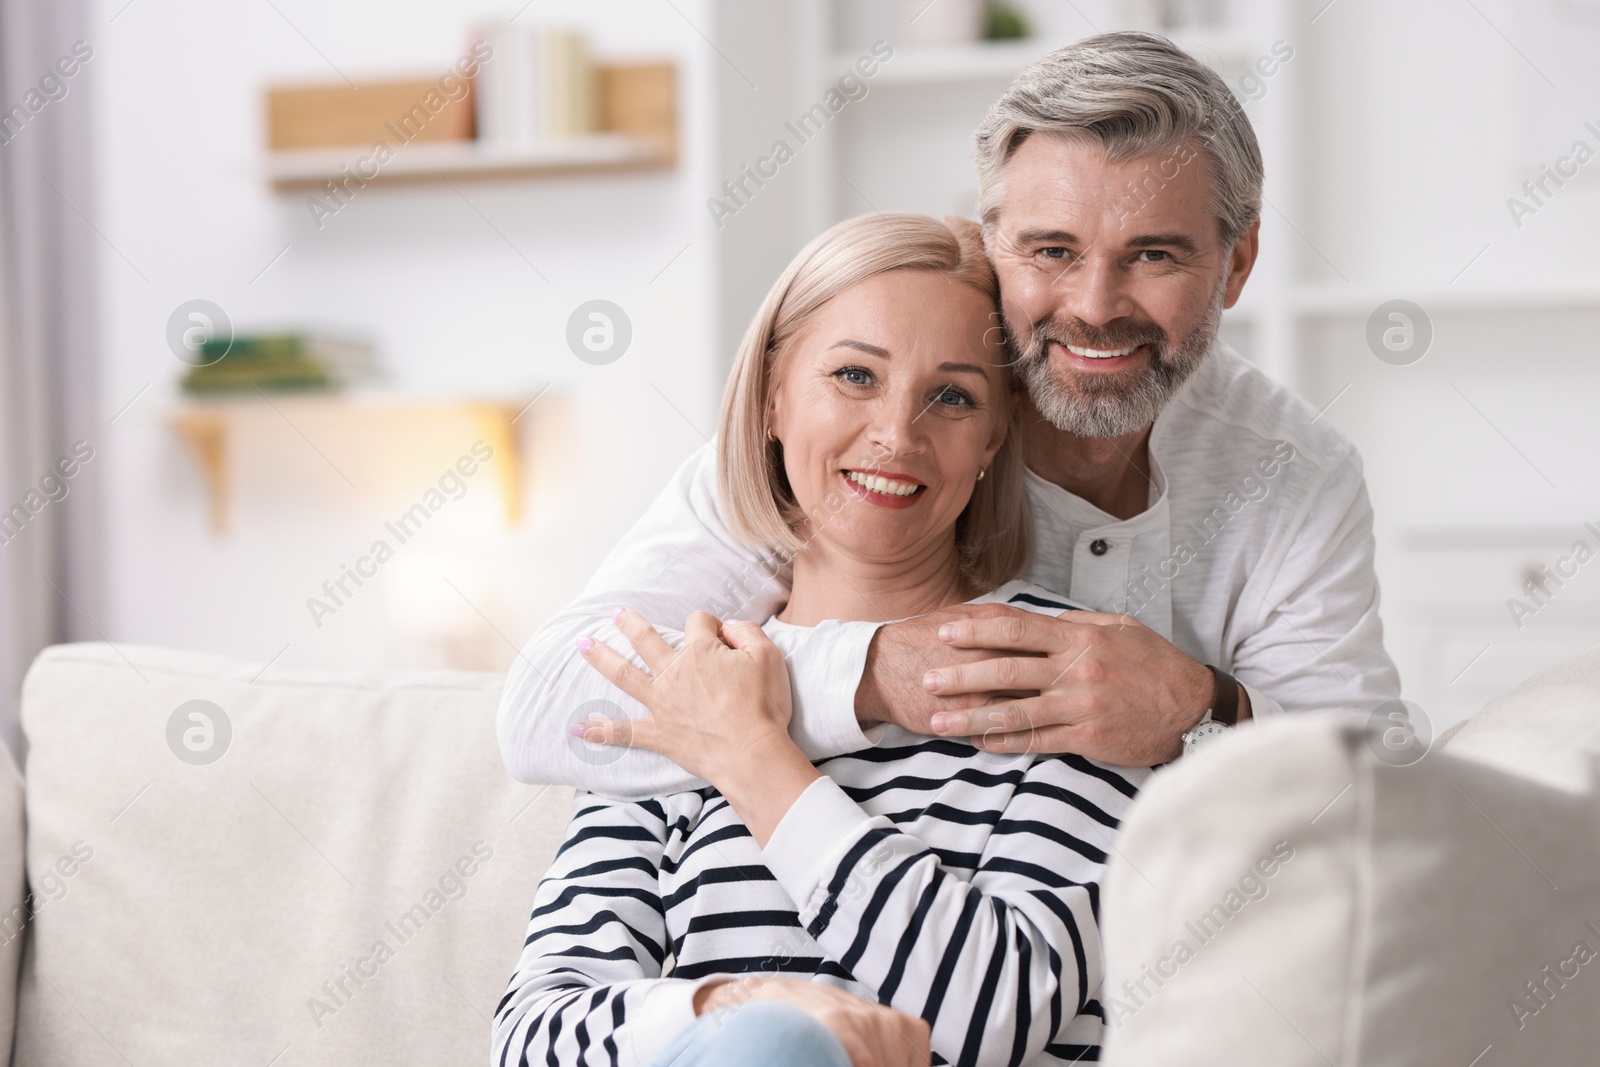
x=983, y=60
x=1001, y=60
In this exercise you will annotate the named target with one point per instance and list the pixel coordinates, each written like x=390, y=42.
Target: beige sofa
x=333, y=868
x=348, y=884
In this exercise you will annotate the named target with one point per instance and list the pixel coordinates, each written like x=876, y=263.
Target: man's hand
x=901, y=655
x=1108, y=686
x=873, y=1035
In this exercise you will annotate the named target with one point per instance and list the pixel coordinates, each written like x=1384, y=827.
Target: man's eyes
x=1143, y=255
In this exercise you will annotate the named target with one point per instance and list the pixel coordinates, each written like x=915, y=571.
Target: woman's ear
x=771, y=416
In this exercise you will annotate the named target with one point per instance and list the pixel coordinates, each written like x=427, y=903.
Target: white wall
x=452, y=307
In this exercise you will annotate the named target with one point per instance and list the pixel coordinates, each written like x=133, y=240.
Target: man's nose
x=1093, y=289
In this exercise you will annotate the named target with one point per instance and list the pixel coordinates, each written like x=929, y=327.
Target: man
x=1216, y=525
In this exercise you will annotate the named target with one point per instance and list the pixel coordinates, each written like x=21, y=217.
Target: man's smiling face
x=1113, y=277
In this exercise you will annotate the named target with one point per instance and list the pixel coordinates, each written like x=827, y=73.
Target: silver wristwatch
x=1220, y=717
x=1206, y=731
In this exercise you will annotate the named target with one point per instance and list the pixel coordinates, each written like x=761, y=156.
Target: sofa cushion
x=335, y=869
x=1286, y=897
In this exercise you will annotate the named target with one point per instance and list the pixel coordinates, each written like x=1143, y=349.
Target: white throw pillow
x=1285, y=897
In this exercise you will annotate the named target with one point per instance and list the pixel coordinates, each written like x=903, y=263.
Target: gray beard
x=1106, y=406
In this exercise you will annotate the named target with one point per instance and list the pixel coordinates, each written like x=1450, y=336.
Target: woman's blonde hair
x=992, y=532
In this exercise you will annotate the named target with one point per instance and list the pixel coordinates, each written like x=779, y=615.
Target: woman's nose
x=898, y=424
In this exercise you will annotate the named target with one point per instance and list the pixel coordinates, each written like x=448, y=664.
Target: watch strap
x=1224, y=697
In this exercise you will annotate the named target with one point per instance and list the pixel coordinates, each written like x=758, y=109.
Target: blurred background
x=272, y=391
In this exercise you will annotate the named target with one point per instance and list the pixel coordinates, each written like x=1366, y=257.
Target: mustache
x=1120, y=333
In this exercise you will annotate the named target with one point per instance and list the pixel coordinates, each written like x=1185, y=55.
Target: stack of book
x=537, y=85
x=282, y=362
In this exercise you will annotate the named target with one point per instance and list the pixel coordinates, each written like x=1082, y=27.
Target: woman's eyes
x=949, y=396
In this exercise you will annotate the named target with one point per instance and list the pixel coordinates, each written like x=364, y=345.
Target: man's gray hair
x=1136, y=94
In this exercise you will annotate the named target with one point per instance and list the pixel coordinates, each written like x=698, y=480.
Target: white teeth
x=1100, y=353
x=879, y=484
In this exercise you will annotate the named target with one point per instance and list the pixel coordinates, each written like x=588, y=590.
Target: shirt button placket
x=1099, y=573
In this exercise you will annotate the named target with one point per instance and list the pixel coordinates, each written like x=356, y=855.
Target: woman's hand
x=725, y=692
x=719, y=708
x=873, y=1035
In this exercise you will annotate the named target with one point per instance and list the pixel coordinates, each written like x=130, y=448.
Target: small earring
x=982, y=473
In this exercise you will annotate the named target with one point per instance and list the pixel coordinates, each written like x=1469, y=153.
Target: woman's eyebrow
x=883, y=353
x=862, y=346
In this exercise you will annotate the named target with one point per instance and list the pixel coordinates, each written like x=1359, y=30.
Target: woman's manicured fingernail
x=947, y=632
x=577, y=729
x=585, y=644
x=940, y=723
x=734, y=622
x=932, y=681
x=616, y=614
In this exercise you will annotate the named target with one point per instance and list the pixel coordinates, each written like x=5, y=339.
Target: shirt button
x=1099, y=546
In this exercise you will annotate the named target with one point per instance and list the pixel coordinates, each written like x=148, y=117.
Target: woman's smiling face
x=888, y=406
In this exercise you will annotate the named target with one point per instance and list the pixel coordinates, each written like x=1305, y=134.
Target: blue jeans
x=758, y=1034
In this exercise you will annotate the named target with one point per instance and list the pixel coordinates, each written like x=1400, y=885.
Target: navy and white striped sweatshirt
x=953, y=884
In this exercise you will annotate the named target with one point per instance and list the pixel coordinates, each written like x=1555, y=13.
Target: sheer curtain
x=50, y=561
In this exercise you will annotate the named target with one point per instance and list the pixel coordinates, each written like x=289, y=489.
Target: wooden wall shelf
x=638, y=118
x=308, y=170
x=208, y=427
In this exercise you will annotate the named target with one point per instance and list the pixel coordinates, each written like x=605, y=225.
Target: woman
x=919, y=892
